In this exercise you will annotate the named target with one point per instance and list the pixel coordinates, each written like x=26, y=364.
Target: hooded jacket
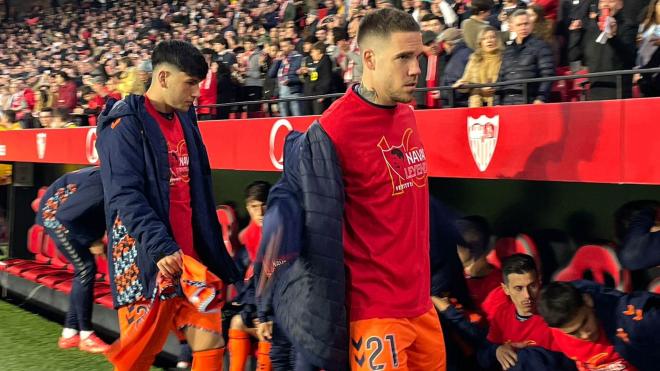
x=135, y=174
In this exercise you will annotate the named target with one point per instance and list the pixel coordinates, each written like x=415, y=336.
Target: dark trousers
x=284, y=357
x=251, y=93
x=81, y=299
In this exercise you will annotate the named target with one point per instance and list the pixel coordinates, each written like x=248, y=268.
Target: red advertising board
x=605, y=142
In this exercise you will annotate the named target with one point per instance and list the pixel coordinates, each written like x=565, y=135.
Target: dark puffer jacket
x=531, y=59
x=307, y=294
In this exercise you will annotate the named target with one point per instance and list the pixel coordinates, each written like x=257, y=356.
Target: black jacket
x=617, y=54
x=319, y=79
x=531, y=59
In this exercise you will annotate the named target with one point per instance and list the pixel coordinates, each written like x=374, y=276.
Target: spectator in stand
x=66, y=92
x=550, y=8
x=543, y=28
x=144, y=74
x=8, y=121
x=483, y=68
x=442, y=9
x=128, y=78
x=227, y=90
x=605, y=42
x=430, y=66
x=481, y=10
x=270, y=83
x=46, y=117
x=285, y=69
x=525, y=57
x=603, y=329
x=252, y=72
x=318, y=78
x=21, y=100
x=208, y=88
x=433, y=23
x=458, y=55
x=648, y=55
x=502, y=11
x=347, y=57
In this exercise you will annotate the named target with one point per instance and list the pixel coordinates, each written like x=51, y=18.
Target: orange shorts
x=185, y=316
x=139, y=356
x=414, y=344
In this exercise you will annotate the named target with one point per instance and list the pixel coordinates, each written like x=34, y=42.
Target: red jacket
x=550, y=6
x=208, y=94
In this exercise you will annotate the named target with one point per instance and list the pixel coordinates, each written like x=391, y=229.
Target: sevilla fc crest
x=482, y=136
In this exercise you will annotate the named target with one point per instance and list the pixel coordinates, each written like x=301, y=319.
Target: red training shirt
x=599, y=355
x=386, y=211
x=177, y=154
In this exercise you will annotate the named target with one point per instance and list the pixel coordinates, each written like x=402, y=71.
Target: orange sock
x=239, y=349
x=263, y=357
x=208, y=360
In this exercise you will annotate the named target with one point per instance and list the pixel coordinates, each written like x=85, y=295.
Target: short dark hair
x=517, y=264
x=560, y=301
x=63, y=74
x=221, y=40
x=286, y=39
x=10, y=115
x=207, y=51
x=384, y=22
x=257, y=191
x=627, y=212
x=320, y=46
x=430, y=17
x=480, y=6
x=475, y=231
x=339, y=34
x=182, y=55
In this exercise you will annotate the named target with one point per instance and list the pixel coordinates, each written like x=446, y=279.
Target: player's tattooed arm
x=367, y=94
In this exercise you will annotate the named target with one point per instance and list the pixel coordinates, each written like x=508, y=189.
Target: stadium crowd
x=59, y=65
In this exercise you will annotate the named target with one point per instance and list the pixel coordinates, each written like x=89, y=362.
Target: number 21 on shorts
x=379, y=353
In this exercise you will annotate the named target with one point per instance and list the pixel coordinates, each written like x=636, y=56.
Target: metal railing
x=450, y=97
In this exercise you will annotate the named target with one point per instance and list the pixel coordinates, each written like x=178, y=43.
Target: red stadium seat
x=600, y=262
x=229, y=224
x=35, y=246
x=105, y=300
x=507, y=246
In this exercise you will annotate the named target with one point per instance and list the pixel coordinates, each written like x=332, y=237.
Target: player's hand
x=442, y=304
x=506, y=354
x=97, y=248
x=265, y=331
x=171, y=265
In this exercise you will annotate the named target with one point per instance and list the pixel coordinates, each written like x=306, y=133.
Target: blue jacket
x=82, y=212
x=135, y=173
x=454, y=70
x=610, y=306
x=307, y=291
x=294, y=82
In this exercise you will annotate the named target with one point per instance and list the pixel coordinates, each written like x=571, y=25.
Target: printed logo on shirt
x=179, y=160
x=406, y=163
